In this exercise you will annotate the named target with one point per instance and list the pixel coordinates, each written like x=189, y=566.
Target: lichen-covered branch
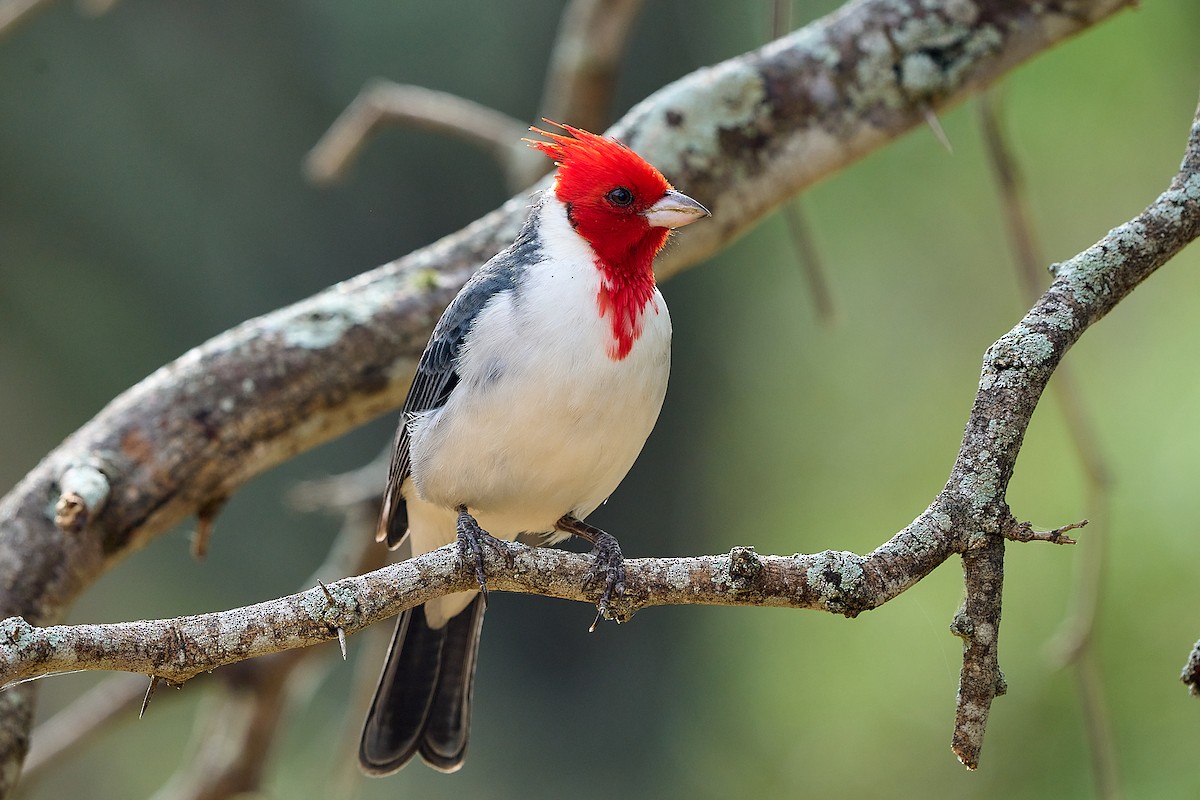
x=741, y=136
x=1015, y=372
x=179, y=649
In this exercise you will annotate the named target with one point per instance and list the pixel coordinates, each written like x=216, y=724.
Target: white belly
x=543, y=422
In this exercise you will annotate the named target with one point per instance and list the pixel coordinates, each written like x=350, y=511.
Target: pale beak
x=674, y=210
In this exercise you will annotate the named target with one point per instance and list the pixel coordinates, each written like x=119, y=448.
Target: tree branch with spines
x=742, y=136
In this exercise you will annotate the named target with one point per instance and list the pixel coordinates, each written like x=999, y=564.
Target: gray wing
x=437, y=371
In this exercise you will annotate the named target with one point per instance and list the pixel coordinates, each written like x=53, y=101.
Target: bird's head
x=618, y=202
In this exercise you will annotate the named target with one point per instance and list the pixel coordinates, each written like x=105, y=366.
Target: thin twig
x=809, y=257
x=795, y=218
x=14, y=13
x=1096, y=723
x=383, y=103
x=1024, y=532
x=584, y=66
x=342, y=491
x=586, y=61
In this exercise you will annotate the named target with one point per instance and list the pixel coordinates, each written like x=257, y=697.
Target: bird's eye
x=620, y=196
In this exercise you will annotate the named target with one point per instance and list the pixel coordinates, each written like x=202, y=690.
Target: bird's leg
x=607, y=561
x=470, y=538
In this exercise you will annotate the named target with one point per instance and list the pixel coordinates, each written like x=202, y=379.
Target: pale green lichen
x=1017, y=350
x=1190, y=189
x=1062, y=318
x=874, y=74
x=17, y=632
x=1036, y=348
x=982, y=488
x=941, y=47
x=324, y=320
x=920, y=74
x=425, y=280
x=318, y=606
x=923, y=534
x=727, y=97
x=1000, y=432
x=836, y=575
x=961, y=12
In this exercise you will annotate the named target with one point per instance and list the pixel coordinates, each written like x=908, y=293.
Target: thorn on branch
x=1024, y=532
x=328, y=594
x=333, y=604
x=154, y=679
x=935, y=125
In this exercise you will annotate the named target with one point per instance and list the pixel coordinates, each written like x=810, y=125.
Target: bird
x=532, y=400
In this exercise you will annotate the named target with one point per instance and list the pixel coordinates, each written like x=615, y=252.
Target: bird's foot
x=470, y=546
x=608, y=564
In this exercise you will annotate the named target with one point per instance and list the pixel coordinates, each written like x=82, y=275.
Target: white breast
x=543, y=423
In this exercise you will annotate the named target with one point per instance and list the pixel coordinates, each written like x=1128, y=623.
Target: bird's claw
x=470, y=547
x=608, y=565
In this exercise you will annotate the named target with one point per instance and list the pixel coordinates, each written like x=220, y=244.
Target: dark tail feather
x=423, y=701
x=448, y=724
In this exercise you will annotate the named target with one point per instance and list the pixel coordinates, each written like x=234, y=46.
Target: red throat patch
x=607, y=189
x=626, y=304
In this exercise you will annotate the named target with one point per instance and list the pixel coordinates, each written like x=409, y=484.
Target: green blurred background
x=151, y=197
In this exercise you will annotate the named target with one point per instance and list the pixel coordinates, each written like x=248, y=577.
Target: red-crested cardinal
x=532, y=400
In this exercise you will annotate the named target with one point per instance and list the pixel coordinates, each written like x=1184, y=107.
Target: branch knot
x=839, y=580
x=744, y=568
